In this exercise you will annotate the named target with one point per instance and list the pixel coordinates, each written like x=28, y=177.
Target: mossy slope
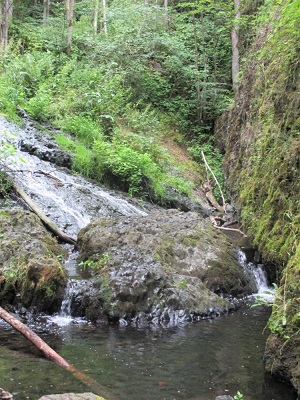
x=262, y=140
x=262, y=137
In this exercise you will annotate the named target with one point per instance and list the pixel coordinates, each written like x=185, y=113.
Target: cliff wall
x=261, y=139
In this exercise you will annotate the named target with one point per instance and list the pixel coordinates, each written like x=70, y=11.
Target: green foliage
x=285, y=318
x=263, y=142
x=84, y=128
x=271, y=140
x=214, y=159
x=119, y=96
x=96, y=265
x=238, y=396
x=15, y=272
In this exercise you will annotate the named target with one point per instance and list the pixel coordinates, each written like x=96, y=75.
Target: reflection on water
x=193, y=362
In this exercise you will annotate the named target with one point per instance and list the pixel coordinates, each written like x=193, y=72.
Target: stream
x=185, y=362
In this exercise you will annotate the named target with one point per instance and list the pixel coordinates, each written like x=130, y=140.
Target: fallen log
x=231, y=229
x=223, y=228
x=214, y=176
x=52, y=355
x=46, y=221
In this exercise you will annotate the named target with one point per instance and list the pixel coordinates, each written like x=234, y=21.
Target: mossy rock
x=30, y=268
x=168, y=261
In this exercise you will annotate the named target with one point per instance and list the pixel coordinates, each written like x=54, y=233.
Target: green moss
x=190, y=240
x=285, y=318
x=165, y=251
x=264, y=165
x=105, y=292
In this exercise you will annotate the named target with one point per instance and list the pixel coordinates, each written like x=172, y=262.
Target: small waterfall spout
x=258, y=276
x=64, y=317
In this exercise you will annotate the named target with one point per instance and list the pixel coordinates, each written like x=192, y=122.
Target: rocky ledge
x=166, y=267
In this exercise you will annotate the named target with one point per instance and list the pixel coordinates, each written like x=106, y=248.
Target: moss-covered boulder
x=163, y=266
x=31, y=274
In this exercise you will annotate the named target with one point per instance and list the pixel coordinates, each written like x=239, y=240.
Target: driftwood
x=231, y=229
x=52, y=355
x=47, y=222
x=214, y=176
x=223, y=228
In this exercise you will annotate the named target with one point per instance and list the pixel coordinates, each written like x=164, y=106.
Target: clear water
x=197, y=361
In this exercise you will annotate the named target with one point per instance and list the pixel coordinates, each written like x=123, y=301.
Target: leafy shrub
x=82, y=127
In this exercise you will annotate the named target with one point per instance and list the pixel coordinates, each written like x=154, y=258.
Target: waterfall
x=258, y=276
x=71, y=200
x=64, y=317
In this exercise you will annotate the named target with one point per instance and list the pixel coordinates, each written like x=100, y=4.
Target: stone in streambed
x=168, y=266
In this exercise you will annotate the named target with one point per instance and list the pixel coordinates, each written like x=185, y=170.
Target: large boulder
x=166, y=266
x=31, y=273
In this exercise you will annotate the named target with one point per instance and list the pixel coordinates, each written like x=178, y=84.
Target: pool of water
x=196, y=361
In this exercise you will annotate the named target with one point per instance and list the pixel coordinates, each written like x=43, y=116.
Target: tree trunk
x=46, y=10
x=47, y=222
x=235, y=46
x=52, y=355
x=166, y=14
x=69, y=18
x=104, y=17
x=95, y=19
x=6, y=13
x=198, y=91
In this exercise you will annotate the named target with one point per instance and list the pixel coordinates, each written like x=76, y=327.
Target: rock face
x=166, y=266
x=282, y=359
x=260, y=136
x=31, y=274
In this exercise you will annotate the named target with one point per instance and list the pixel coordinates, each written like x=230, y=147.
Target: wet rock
x=72, y=396
x=45, y=149
x=282, y=359
x=5, y=395
x=31, y=274
x=168, y=266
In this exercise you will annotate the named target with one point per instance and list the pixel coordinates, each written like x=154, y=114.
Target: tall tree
x=69, y=18
x=46, y=10
x=166, y=13
x=235, y=45
x=95, y=16
x=104, y=17
x=6, y=7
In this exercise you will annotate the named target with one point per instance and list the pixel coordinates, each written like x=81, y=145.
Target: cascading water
x=64, y=317
x=70, y=200
x=258, y=276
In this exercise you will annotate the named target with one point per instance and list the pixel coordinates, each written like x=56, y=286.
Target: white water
x=64, y=318
x=70, y=200
x=256, y=271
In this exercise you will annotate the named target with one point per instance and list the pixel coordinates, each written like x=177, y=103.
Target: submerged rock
x=168, y=266
x=72, y=396
x=31, y=274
